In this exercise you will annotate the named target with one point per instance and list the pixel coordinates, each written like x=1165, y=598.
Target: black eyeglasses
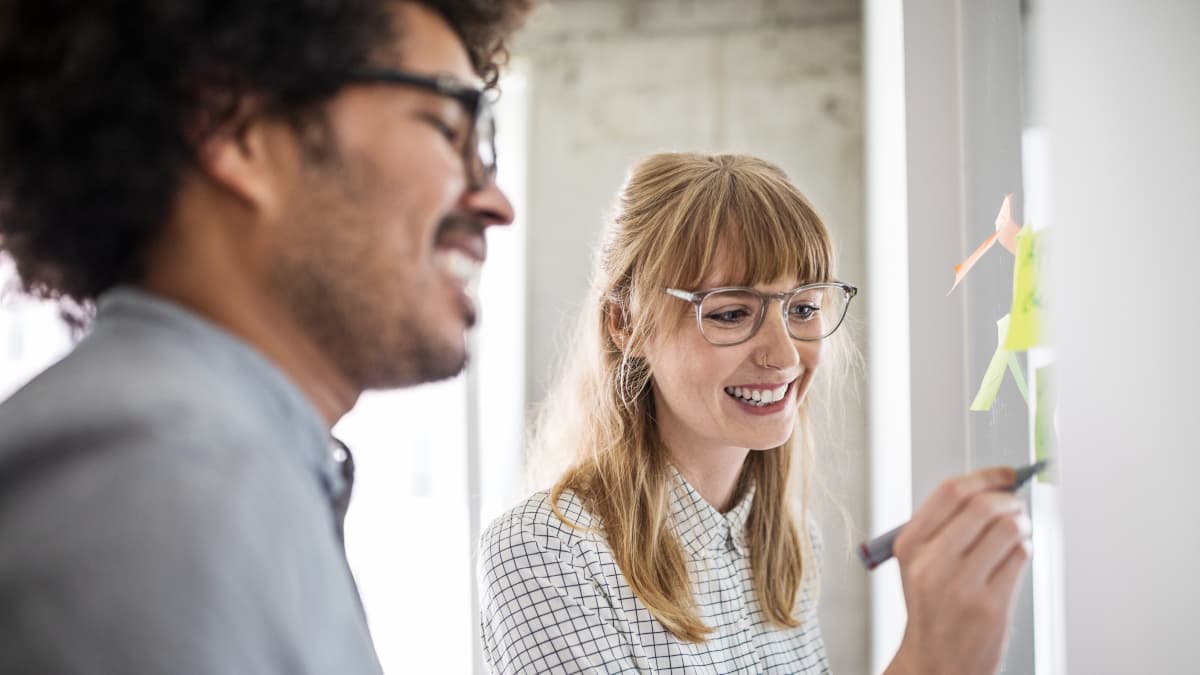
x=479, y=152
x=732, y=315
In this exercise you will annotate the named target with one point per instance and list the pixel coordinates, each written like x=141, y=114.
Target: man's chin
x=443, y=370
x=425, y=371
x=441, y=361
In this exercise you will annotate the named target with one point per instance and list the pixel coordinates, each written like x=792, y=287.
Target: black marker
x=877, y=551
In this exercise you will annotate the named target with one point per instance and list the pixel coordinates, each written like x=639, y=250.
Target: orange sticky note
x=1006, y=234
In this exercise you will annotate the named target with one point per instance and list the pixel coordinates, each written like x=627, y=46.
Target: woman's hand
x=960, y=558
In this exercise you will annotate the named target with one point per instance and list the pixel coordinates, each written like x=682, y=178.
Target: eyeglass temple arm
x=683, y=295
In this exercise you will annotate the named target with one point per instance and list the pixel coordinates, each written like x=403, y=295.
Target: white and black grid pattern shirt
x=554, y=601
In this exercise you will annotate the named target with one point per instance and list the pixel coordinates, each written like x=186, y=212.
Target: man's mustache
x=458, y=222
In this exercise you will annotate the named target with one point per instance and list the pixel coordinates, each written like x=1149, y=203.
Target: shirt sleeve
x=541, y=612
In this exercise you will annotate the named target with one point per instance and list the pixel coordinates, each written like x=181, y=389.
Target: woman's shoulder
x=534, y=526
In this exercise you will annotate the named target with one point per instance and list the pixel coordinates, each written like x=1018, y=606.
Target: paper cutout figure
x=994, y=375
x=1025, y=329
x=1005, y=234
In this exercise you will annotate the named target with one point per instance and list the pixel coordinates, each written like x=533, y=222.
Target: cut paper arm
x=1006, y=227
x=1006, y=234
x=994, y=375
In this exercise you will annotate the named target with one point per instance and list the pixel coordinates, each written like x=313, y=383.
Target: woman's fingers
x=946, y=502
x=1004, y=577
x=960, y=558
x=994, y=547
x=968, y=527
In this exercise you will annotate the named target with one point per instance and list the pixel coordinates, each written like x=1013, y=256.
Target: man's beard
x=374, y=347
x=368, y=321
x=425, y=360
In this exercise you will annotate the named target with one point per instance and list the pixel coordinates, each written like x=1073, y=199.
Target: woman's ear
x=618, y=325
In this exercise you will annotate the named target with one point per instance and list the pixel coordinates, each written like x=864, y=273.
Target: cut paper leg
x=1006, y=234
x=1044, y=437
x=994, y=375
x=1014, y=365
x=960, y=270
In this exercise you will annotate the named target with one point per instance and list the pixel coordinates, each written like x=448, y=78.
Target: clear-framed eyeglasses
x=479, y=152
x=732, y=315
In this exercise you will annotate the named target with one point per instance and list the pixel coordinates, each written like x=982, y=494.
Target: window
x=32, y=336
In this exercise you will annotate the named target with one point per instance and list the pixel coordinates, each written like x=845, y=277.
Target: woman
x=671, y=544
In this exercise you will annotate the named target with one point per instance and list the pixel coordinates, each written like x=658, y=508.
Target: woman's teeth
x=758, y=397
x=460, y=265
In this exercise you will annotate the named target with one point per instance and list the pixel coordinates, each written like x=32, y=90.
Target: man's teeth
x=462, y=266
x=759, y=397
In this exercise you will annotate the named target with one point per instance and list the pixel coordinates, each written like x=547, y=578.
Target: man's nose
x=488, y=205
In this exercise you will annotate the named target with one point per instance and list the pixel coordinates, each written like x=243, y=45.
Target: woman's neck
x=714, y=473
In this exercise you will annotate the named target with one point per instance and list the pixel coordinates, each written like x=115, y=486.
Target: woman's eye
x=734, y=315
x=804, y=312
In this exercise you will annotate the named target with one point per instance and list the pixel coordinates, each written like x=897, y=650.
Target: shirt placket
x=342, y=463
x=731, y=568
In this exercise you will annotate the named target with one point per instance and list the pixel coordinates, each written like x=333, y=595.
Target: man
x=272, y=207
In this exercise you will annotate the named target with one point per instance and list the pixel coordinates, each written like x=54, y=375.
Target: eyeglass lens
x=728, y=317
x=483, y=164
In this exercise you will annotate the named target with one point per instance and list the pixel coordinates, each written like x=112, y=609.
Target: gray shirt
x=169, y=504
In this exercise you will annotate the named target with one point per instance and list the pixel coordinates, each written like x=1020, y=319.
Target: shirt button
x=338, y=453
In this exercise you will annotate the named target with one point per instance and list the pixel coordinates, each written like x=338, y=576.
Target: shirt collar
x=702, y=528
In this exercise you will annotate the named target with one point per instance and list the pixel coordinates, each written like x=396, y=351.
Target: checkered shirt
x=554, y=601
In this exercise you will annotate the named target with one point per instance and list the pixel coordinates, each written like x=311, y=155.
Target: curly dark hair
x=95, y=98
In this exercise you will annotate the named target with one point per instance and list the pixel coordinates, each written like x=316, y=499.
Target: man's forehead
x=426, y=44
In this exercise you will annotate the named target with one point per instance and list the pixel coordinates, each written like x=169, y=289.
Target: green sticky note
x=1044, y=438
x=990, y=385
x=1025, y=329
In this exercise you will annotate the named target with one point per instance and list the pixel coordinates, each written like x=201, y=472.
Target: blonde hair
x=672, y=215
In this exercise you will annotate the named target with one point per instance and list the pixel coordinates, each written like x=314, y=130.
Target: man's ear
x=246, y=155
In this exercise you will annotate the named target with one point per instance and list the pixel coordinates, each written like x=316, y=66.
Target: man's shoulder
x=129, y=506
x=87, y=443
x=119, y=397
x=71, y=460
x=122, y=547
x=104, y=377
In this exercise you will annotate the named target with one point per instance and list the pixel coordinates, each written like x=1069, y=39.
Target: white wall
x=611, y=81
x=1120, y=92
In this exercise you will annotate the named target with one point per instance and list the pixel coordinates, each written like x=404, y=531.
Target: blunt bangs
x=740, y=224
